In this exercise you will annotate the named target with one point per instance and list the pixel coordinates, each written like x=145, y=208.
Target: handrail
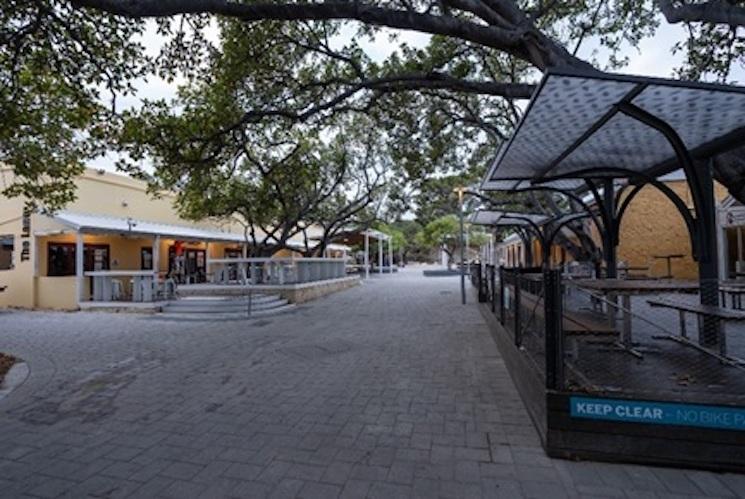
x=118, y=273
x=275, y=260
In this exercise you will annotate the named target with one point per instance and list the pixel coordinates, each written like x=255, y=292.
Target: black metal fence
x=584, y=342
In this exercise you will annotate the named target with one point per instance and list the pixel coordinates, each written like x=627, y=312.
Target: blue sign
x=666, y=413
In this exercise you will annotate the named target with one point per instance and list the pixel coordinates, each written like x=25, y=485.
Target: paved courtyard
x=392, y=389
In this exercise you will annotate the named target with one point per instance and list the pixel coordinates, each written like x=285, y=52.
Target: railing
x=128, y=285
x=278, y=271
x=615, y=344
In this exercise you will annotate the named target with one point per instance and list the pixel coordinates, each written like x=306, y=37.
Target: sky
x=652, y=58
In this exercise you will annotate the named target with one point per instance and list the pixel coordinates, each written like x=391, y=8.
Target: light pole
x=460, y=191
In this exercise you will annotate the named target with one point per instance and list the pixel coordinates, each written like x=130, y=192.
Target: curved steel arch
x=575, y=197
x=669, y=193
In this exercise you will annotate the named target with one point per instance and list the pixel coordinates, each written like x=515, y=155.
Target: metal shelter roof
x=569, y=184
x=494, y=218
x=576, y=122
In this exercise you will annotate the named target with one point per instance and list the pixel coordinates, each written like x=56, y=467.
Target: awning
x=131, y=226
x=578, y=123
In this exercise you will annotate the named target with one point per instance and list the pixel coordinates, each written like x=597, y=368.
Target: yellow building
x=114, y=226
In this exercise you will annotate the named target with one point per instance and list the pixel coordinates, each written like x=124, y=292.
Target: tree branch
x=713, y=11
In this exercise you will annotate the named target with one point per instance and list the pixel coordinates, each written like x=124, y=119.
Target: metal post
x=554, y=337
x=501, y=295
x=390, y=255
x=480, y=282
x=367, y=255
x=518, y=339
x=207, y=261
x=492, y=284
x=156, y=262
x=609, y=243
x=79, y=266
x=462, y=249
x=707, y=260
x=380, y=256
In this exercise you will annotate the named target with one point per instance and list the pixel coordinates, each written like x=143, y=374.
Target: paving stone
x=383, y=490
x=181, y=489
x=252, y=489
x=337, y=473
x=241, y=471
x=315, y=490
x=181, y=471
x=354, y=489
x=51, y=487
x=390, y=389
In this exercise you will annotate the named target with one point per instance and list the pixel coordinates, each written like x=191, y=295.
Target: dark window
x=6, y=252
x=146, y=258
x=61, y=258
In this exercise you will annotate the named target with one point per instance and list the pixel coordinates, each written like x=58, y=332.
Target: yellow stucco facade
x=25, y=275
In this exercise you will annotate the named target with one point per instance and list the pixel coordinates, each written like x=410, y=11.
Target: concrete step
x=227, y=316
x=215, y=306
x=221, y=302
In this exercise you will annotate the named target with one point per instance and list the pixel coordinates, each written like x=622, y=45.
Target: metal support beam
x=702, y=191
x=610, y=247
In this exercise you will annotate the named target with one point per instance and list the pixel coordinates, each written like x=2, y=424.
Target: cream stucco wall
x=27, y=284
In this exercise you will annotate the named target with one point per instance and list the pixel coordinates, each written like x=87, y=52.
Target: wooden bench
x=720, y=313
x=575, y=325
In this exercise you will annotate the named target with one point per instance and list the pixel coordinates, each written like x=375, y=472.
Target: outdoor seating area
x=607, y=333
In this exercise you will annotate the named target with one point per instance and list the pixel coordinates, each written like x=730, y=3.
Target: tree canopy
x=299, y=66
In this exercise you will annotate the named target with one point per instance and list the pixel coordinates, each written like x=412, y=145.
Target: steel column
x=702, y=191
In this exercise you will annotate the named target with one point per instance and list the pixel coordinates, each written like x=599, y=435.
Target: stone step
x=231, y=316
x=221, y=302
x=224, y=305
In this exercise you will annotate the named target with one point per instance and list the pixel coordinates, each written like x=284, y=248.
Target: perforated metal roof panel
x=577, y=124
x=493, y=218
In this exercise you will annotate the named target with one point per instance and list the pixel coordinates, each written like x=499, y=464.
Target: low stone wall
x=300, y=293
x=294, y=293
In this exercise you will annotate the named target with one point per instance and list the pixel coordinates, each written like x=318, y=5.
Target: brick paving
x=392, y=389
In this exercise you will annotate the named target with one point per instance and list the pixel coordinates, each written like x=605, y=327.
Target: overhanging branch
x=714, y=11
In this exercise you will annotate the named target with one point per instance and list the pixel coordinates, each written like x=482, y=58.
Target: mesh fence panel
x=622, y=344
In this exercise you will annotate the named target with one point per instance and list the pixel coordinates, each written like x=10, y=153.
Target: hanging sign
x=663, y=413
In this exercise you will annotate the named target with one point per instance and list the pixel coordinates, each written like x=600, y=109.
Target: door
x=189, y=267
x=195, y=265
x=233, y=269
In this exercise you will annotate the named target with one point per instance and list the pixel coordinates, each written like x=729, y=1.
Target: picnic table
x=611, y=288
x=669, y=263
x=719, y=313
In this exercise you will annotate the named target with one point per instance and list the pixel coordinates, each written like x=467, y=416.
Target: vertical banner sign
x=663, y=413
x=25, y=235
